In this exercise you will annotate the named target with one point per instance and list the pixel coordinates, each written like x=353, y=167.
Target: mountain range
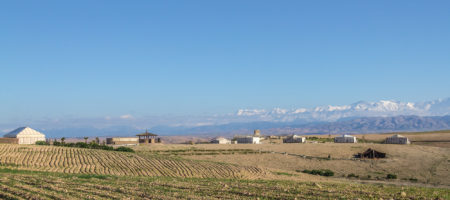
x=359, y=117
x=383, y=108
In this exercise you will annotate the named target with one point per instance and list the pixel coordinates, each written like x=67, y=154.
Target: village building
x=345, y=139
x=247, y=140
x=24, y=135
x=294, y=139
x=220, y=140
x=122, y=141
x=397, y=139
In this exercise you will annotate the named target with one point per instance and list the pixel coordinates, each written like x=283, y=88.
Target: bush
x=327, y=172
x=352, y=175
x=41, y=143
x=320, y=172
x=413, y=179
x=81, y=145
x=91, y=145
x=124, y=149
x=391, y=176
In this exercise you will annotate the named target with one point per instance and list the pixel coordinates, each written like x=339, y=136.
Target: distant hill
x=359, y=125
x=353, y=125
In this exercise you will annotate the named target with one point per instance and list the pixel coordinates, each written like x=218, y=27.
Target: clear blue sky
x=108, y=58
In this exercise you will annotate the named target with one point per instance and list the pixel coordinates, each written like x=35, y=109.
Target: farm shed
x=345, y=139
x=294, y=139
x=397, y=139
x=371, y=154
x=247, y=140
x=122, y=141
x=220, y=140
x=26, y=135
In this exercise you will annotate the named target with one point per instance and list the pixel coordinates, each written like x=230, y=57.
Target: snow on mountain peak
x=358, y=109
x=250, y=112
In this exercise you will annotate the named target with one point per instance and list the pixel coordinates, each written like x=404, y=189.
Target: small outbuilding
x=371, y=154
x=220, y=140
x=345, y=139
x=294, y=139
x=397, y=139
x=148, y=138
x=247, y=140
x=26, y=135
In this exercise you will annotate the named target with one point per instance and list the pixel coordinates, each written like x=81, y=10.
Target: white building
x=221, y=140
x=26, y=135
x=345, y=139
x=397, y=139
x=247, y=140
x=294, y=139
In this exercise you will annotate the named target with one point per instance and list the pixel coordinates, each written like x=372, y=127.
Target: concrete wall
x=9, y=141
x=122, y=140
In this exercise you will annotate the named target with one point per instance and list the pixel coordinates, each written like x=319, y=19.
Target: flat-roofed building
x=294, y=139
x=345, y=139
x=220, y=140
x=397, y=139
x=247, y=140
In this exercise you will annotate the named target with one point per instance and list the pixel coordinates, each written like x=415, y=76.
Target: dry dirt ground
x=429, y=165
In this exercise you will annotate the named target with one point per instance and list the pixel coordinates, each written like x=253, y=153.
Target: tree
x=97, y=140
x=63, y=139
x=85, y=139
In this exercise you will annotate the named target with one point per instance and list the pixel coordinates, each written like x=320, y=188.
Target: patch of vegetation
x=284, y=174
x=124, y=149
x=320, y=172
x=42, y=143
x=391, y=176
x=90, y=176
x=352, y=175
x=91, y=145
x=319, y=139
x=413, y=179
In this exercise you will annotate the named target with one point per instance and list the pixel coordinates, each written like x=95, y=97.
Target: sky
x=84, y=59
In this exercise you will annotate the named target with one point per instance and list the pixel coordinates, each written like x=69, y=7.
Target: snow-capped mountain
x=383, y=108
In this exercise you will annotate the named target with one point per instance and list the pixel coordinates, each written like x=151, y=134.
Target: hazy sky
x=111, y=58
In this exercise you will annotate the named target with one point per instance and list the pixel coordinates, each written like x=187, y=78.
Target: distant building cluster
x=257, y=138
x=27, y=135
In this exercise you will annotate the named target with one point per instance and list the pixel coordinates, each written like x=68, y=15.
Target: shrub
x=56, y=143
x=320, y=172
x=81, y=145
x=107, y=148
x=41, y=143
x=124, y=149
x=413, y=179
x=352, y=175
x=327, y=172
x=391, y=176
